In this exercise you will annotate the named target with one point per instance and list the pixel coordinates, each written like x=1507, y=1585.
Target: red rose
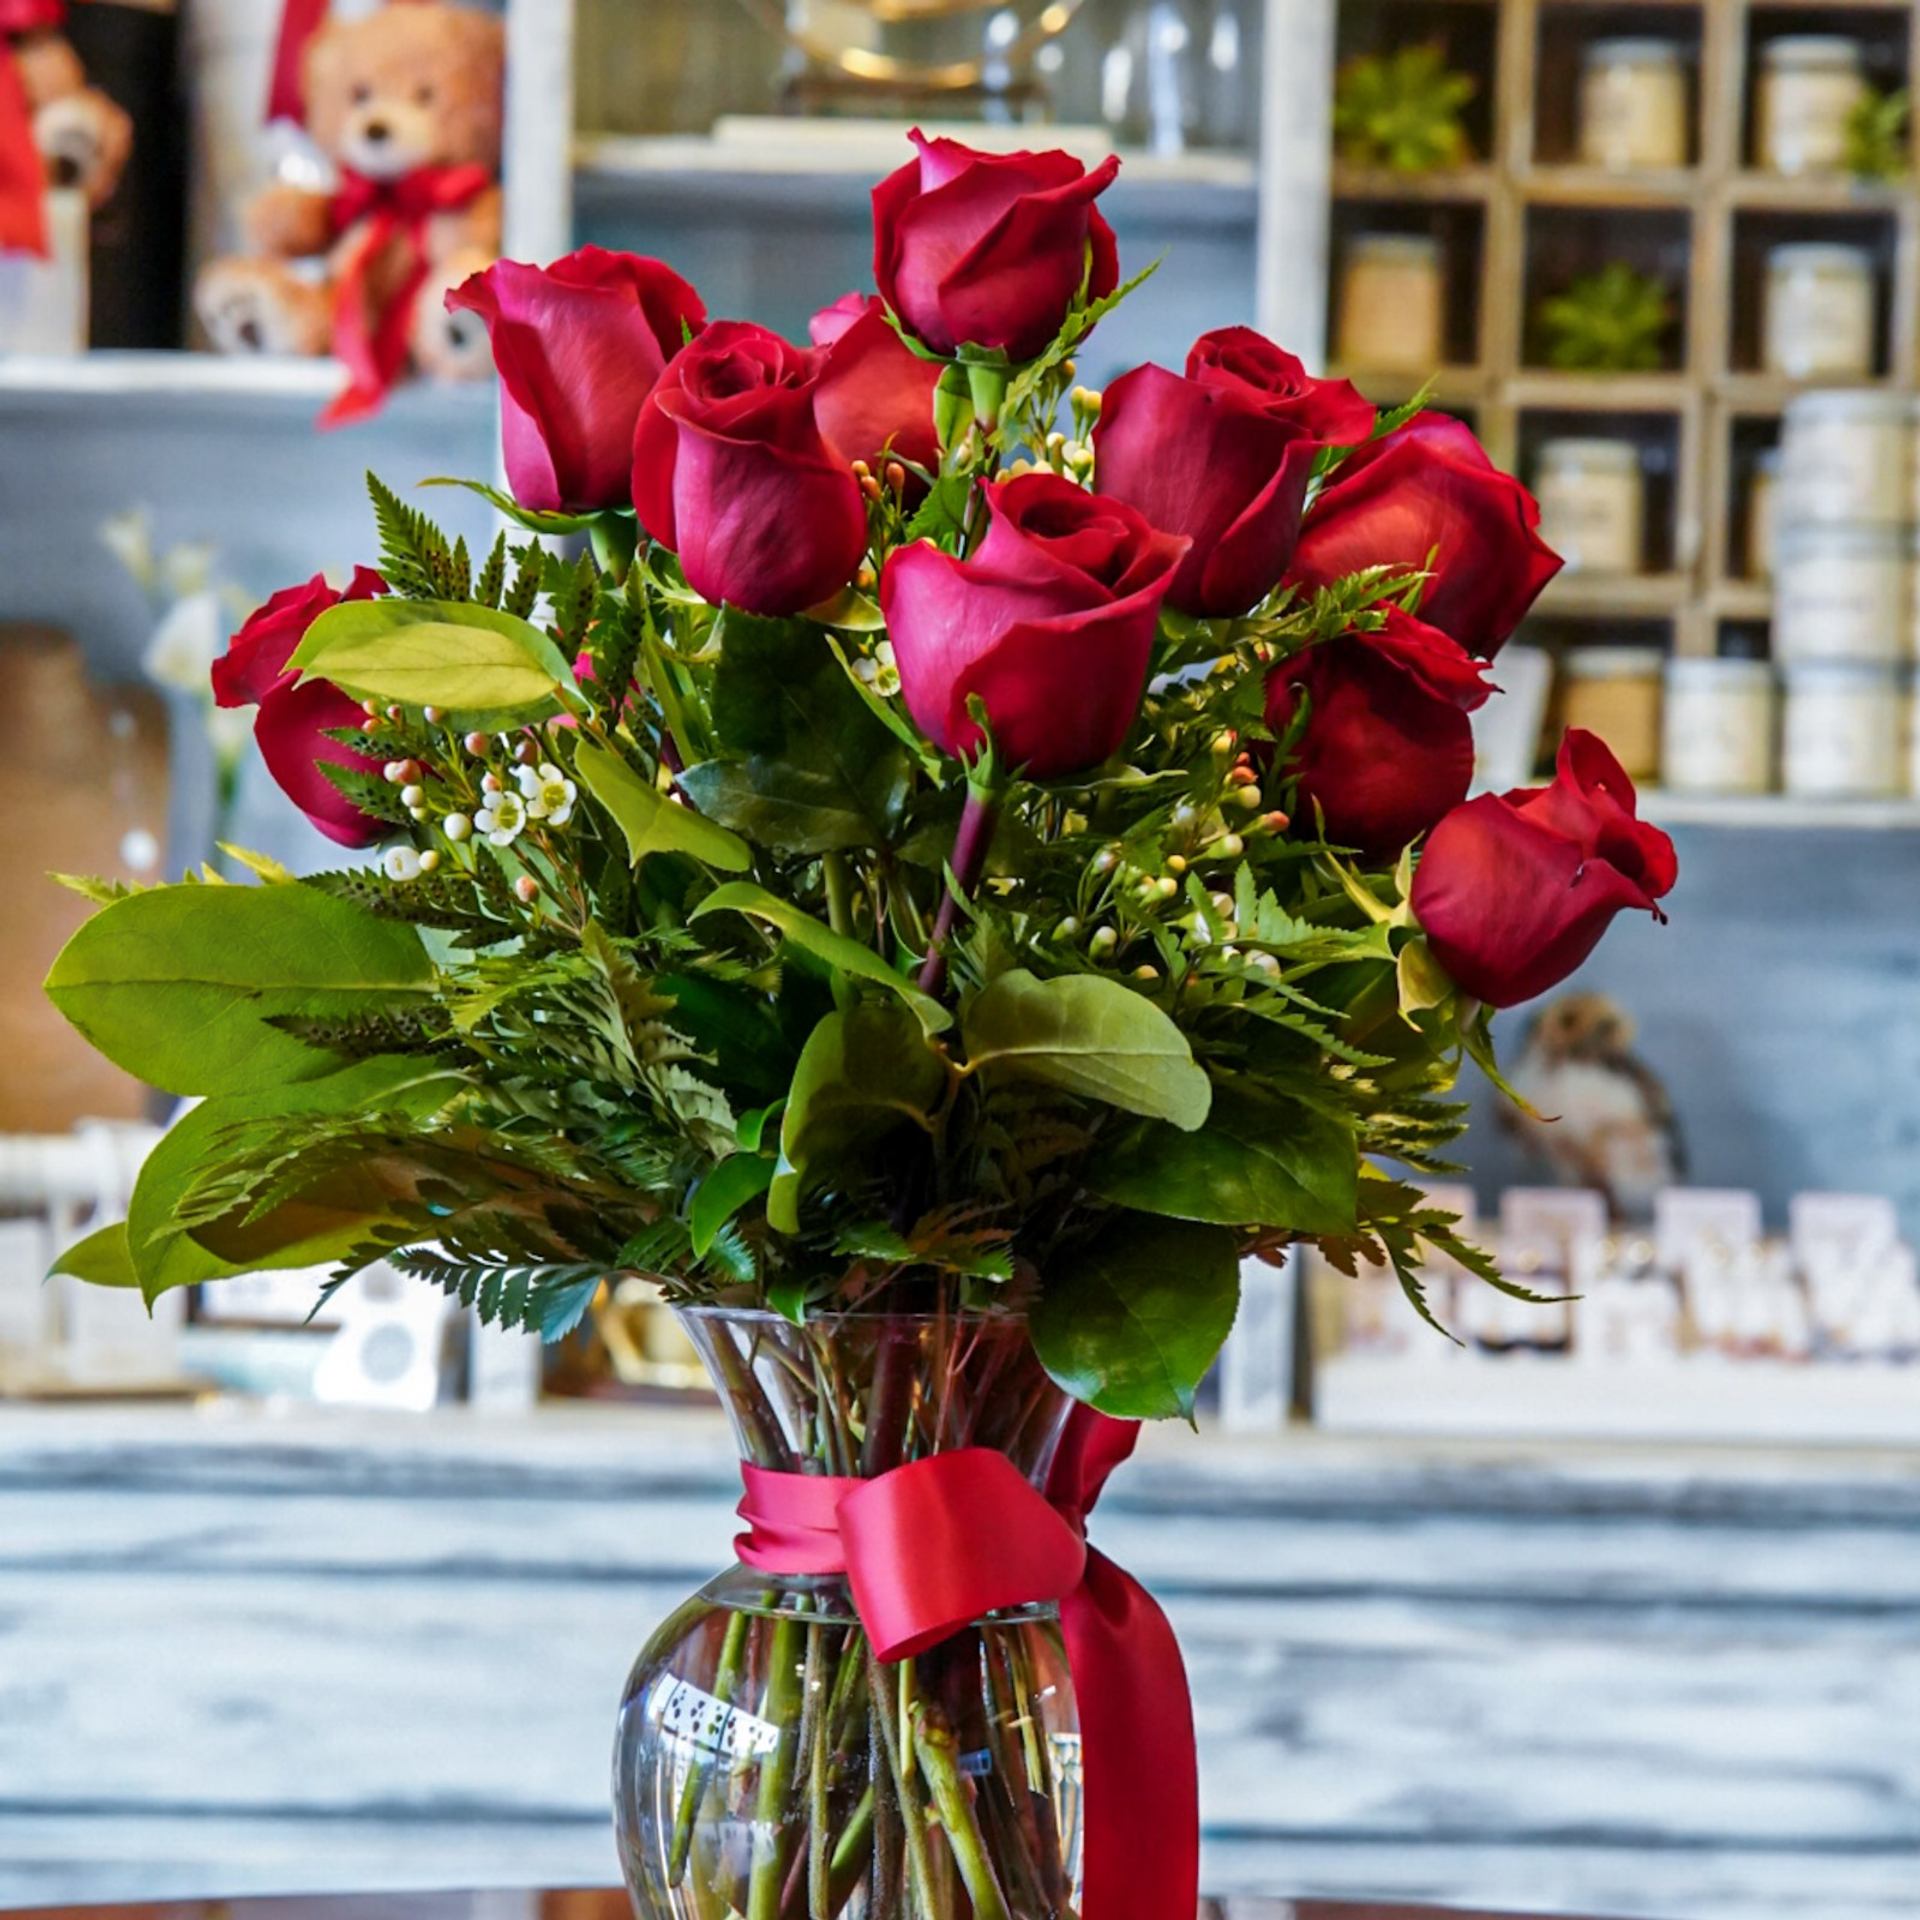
x=1430, y=489
x=579, y=345
x=1387, y=747
x=1332, y=411
x=291, y=726
x=1207, y=457
x=875, y=396
x=1050, y=623
x=731, y=471
x=1514, y=890
x=990, y=249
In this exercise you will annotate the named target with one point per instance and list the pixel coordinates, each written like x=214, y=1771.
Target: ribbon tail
x=1138, y=1761
x=372, y=347
x=23, y=178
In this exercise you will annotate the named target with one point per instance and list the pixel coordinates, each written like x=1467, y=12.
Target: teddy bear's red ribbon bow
x=23, y=178
x=369, y=336
x=932, y=1546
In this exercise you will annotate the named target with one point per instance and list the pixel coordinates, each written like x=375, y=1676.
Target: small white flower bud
x=415, y=796
x=429, y=861
x=1230, y=846
x=1103, y=942
x=394, y=772
x=456, y=826
x=431, y=715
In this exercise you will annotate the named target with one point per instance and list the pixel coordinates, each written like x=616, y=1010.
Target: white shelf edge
x=1695, y=1400
x=857, y=158
x=184, y=374
x=1779, y=812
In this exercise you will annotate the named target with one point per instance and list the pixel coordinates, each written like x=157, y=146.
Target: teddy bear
x=406, y=103
x=82, y=138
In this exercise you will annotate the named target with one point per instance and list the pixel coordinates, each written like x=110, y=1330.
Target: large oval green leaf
x=860, y=1075
x=1088, y=1035
x=484, y=668
x=1258, y=1162
x=650, y=822
x=831, y=949
x=321, y=1224
x=1131, y=1323
x=178, y=985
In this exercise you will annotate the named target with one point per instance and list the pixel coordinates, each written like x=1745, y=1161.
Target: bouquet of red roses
x=902, y=833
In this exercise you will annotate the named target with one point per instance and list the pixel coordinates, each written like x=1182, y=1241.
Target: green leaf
x=179, y=985
x=481, y=668
x=1258, y=1162
x=777, y=805
x=1422, y=981
x=533, y=519
x=1131, y=1323
x=739, y=1178
x=650, y=821
x=102, y=1259
x=1088, y=1035
x=861, y=1074
x=801, y=740
x=942, y=515
x=325, y=1223
x=835, y=950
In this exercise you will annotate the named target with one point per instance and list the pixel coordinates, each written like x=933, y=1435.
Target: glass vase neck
x=858, y=1394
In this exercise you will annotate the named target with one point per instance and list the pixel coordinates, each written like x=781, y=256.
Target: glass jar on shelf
x=1808, y=88
x=1593, y=507
x=1842, y=593
x=1763, y=514
x=1615, y=692
x=1819, y=311
x=1633, y=105
x=1847, y=455
x=1844, y=730
x=1717, y=726
x=1392, y=303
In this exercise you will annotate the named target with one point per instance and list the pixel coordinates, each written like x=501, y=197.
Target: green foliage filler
x=1402, y=110
x=1618, y=320
x=1879, y=136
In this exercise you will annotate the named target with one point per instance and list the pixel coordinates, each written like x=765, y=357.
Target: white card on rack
x=1688, y=1217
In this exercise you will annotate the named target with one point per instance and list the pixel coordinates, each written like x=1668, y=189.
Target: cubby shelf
x=1545, y=216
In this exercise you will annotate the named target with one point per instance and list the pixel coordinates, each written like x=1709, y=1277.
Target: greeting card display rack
x=1525, y=218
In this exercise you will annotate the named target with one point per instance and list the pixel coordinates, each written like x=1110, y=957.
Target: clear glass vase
x=766, y=1763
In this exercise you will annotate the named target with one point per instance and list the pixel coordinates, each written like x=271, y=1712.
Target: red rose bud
x=578, y=345
x=732, y=471
x=1050, y=623
x=1514, y=890
x=875, y=396
x=990, y=249
x=1331, y=411
x=1388, y=747
x=1430, y=489
x=1207, y=458
x=293, y=722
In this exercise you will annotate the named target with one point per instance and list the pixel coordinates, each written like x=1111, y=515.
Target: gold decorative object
x=912, y=45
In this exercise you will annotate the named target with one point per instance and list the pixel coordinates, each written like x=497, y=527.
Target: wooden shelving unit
x=1536, y=215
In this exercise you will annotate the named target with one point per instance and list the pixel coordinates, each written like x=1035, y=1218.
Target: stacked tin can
x=1845, y=612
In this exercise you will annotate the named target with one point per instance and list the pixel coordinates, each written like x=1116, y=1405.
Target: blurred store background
x=1612, y=1604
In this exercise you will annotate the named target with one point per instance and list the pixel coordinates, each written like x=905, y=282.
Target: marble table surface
x=609, y=1903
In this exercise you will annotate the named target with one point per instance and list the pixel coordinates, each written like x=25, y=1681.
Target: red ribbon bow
x=23, y=175
x=933, y=1546
x=373, y=344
